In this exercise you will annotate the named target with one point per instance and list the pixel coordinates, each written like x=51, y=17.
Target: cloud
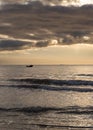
x=11, y=45
x=12, y=1
x=60, y=2
x=27, y=26
x=42, y=44
x=49, y=2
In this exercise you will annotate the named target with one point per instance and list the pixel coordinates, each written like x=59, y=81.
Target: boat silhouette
x=29, y=66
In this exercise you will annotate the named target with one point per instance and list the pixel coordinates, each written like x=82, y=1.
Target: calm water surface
x=46, y=98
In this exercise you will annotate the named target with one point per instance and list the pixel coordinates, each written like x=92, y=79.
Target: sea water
x=49, y=97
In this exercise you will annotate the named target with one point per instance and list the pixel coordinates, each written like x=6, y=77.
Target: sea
x=46, y=97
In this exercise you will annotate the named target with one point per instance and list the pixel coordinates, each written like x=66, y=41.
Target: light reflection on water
x=12, y=97
x=59, y=110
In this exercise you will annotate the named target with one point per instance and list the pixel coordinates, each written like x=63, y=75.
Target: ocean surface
x=58, y=97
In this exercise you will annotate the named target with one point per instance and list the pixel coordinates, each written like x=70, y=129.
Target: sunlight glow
x=83, y=2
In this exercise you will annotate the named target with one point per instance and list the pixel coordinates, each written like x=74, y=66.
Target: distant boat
x=29, y=66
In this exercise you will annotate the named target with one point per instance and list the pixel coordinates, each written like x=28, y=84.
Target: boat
x=29, y=66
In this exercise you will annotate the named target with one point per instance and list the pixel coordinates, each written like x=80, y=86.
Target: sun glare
x=83, y=2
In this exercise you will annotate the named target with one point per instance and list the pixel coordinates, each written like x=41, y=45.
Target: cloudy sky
x=46, y=32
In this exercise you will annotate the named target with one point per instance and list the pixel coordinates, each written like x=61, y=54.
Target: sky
x=46, y=32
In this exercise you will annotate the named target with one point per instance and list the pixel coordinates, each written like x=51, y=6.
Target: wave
x=50, y=88
x=64, y=126
x=67, y=127
x=52, y=123
x=65, y=110
x=56, y=82
x=85, y=75
x=53, y=85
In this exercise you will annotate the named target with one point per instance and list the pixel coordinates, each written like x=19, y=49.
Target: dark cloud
x=45, y=1
x=42, y=44
x=66, y=25
x=11, y=45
